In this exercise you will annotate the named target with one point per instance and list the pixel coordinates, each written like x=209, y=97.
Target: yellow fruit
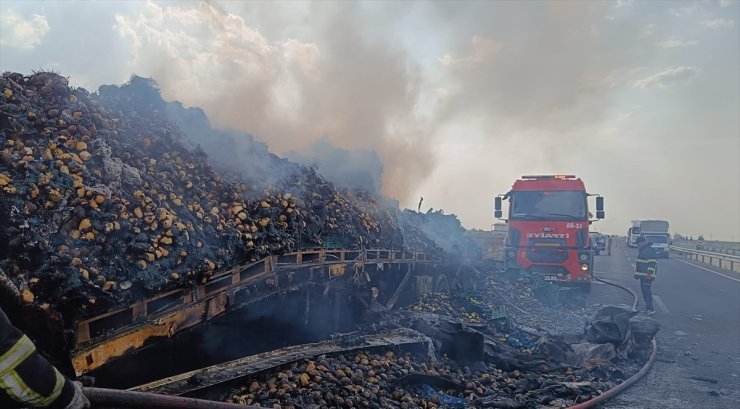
x=27, y=295
x=54, y=195
x=85, y=224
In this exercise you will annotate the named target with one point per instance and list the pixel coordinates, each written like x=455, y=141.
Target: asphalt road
x=698, y=308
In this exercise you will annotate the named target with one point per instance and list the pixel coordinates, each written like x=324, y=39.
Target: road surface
x=698, y=308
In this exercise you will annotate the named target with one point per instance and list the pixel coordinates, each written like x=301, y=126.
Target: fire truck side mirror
x=497, y=213
x=599, y=207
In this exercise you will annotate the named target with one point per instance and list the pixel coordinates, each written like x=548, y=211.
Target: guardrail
x=721, y=260
x=709, y=246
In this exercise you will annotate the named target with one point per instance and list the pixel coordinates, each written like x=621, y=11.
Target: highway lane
x=698, y=307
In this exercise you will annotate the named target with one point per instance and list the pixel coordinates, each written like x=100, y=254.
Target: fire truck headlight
x=584, y=257
x=511, y=254
x=584, y=267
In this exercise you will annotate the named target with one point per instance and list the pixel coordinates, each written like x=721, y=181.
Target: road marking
x=660, y=304
x=706, y=269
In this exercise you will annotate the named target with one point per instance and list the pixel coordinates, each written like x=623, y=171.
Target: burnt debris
x=112, y=196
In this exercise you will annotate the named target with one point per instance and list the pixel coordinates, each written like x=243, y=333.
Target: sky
x=640, y=99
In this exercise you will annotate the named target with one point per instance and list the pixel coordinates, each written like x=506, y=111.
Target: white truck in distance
x=656, y=233
x=633, y=233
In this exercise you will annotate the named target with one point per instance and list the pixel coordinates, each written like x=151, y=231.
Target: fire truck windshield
x=548, y=205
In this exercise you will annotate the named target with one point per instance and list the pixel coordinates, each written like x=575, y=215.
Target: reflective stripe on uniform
x=17, y=389
x=650, y=264
x=16, y=354
x=12, y=383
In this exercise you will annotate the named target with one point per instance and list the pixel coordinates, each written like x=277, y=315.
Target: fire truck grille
x=548, y=270
x=547, y=251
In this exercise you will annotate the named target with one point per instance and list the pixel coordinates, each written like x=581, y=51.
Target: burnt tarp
x=643, y=329
x=610, y=324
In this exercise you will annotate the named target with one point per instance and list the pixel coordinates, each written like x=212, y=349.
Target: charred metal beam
x=214, y=379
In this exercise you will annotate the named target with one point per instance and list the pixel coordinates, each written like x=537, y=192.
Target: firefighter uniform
x=646, y=268
x=27, y=379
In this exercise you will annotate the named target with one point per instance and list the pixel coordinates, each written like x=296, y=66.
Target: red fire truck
x=548, y=228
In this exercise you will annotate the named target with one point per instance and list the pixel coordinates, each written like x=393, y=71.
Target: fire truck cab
x=549, y=228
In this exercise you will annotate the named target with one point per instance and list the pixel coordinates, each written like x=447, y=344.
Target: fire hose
x=101, y=398
x=632, y=379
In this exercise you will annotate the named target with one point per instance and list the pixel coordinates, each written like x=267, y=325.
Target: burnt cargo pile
x=105, y=200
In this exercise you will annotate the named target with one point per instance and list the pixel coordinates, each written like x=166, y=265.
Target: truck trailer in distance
x=633, y=233
x=656, y=233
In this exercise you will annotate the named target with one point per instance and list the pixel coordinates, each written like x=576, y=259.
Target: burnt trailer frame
x=105, y=337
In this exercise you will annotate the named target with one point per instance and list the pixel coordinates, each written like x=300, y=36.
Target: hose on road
x=624, y=385
x=101, y=398
x=612, y=283
x=632, y=379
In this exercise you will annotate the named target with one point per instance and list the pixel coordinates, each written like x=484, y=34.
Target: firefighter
x=646, y=268
x=27, y=379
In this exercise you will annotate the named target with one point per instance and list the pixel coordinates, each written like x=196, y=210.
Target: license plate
x=552, y=278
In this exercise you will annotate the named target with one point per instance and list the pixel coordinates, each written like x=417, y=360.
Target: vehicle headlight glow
x=584, y=267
